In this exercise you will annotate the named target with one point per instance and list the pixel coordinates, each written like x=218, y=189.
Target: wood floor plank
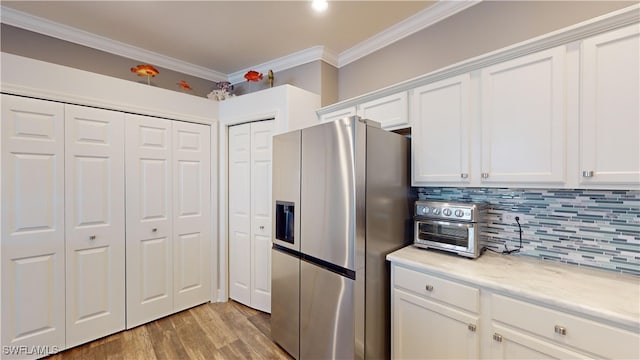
x=210, y=331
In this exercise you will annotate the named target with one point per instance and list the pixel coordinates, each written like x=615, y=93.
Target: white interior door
x=149, y=210
x=240, y=213
x=94, y=183
x=33, y=295
x=261, y=144
x=191, y=214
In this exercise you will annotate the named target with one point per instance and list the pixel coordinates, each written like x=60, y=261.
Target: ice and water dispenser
x=285, y=215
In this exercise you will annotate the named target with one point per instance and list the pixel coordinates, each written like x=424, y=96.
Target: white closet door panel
x=148, y=219
x=191, y=214
x=95, y=243
x=32, y=223
x=261, y=144
x=240, y=213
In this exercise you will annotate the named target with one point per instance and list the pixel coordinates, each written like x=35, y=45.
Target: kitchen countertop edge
x=565, y=286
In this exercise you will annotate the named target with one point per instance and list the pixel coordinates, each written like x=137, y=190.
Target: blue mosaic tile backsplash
x=593, y=228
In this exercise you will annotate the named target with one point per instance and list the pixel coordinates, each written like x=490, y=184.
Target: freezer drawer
x=326, y=313
x=285, y=301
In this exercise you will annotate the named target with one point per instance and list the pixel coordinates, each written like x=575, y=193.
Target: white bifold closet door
x=95, y=237
x=33, y=273
x=191, y=214
x=168, y=217
x=250, y=213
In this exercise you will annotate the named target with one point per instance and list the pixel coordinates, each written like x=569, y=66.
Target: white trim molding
x=419, y=21
x=287, y=62
x=616, y=19
x=67, y=33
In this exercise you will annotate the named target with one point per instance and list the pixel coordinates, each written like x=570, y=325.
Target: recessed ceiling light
x=319, y=5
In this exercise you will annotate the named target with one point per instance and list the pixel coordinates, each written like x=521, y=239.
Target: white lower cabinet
x=520, y=326
x=250, y=213
x=434, y=317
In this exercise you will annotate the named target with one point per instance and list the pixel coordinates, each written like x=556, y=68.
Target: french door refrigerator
x=341, y=201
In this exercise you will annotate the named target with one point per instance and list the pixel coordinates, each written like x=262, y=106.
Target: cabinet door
x=422, y=329
x=149, y=210
x=33, y=273
x=191, y=214
x=508, y=343
x=441, y=130
x=240, y=213
x=390, y=111
x=95, y=243
x=610, y=124
x=261, y=144
x=523, y=119
x=338, y=114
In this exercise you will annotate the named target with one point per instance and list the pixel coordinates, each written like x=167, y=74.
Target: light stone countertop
x=602, y=294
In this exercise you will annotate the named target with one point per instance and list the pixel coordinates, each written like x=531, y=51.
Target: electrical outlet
x=510, y=218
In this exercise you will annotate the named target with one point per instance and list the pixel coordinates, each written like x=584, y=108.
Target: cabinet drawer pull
x=587, y=173
x=497, y=337
x=154, y=229
x=261, y=227
x=464, y=175
x=560, y=330
x=485, y=175
x=429, y=287
x=472, y=327
x=92, y=237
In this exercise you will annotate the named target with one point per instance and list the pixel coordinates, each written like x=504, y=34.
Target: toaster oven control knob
x=436, y=211
x=446, y=212
x=424, y=210
x=459, y=213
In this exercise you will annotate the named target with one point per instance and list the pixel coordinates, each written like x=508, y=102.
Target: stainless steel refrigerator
x=341, y=202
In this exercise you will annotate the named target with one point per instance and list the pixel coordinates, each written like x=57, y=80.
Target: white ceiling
x=223, y=37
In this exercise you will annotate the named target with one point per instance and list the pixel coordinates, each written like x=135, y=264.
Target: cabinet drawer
x=584, y=334
x=432, y=287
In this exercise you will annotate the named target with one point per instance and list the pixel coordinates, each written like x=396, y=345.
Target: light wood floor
x=210, y=331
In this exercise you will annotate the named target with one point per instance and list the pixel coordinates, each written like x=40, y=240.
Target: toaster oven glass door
x=451, y=235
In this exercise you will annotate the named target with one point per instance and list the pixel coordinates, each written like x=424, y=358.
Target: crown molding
x=289, y=61
x=46, y=27
x=614, y=20
x=421, y=20
x=417, y=22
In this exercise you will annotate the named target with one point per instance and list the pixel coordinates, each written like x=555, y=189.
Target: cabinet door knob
x=497, y=337
x=154, y=229
x=261, y=227
x=587, y=173
x=464, y=175
x=560, y=330
x=429, y=287
x=485, y=175
x=472, y=327
x=92, y=237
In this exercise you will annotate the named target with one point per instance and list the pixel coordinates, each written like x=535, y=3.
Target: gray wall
x=483, y=28
x=29, y=44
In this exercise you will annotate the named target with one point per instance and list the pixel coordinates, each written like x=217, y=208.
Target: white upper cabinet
x=610, y=122
x=523, y=120
x=338, y=114
x=441, y=132
x=392, y=112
